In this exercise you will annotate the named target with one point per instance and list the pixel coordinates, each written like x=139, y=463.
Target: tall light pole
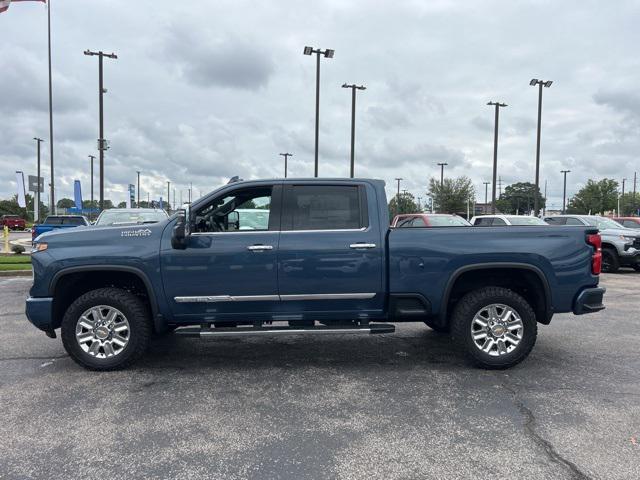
x=138, y=203
x=540, y=84
x=168, y=197
x=495, y=153
x=91, y=158
x=442, y=165
x=353, y=88
x=102, y=144
x=37, y=196
x=634, y=193
x=328, y=53
x=622, y=199
x=286, y=156
x=398, y=197
x=486, y=193
x=564, y=191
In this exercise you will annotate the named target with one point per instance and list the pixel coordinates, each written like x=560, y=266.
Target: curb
x=16, y=273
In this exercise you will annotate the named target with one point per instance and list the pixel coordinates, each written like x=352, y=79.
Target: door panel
x=330, y=271
x=228, y=270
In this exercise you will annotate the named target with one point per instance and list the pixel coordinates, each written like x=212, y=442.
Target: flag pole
x=52, y=197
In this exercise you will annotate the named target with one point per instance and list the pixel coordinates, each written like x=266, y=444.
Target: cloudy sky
x=202, y=91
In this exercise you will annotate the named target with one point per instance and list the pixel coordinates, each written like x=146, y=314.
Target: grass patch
x=5, y=267
x=14, y=259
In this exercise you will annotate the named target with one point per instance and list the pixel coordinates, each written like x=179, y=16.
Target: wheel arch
x=69, y=283
x=531, y=286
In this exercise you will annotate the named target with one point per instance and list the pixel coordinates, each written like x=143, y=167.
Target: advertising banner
x=22, y=202
x=77, y=194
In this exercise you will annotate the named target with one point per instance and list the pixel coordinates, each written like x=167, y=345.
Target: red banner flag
x=4, y=4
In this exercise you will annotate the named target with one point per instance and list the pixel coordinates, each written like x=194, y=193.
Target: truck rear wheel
x=495, y=327
x=106, y=329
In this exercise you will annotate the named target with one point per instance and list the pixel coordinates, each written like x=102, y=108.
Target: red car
x=428, y=220
x=13, y=222
x=629, y=222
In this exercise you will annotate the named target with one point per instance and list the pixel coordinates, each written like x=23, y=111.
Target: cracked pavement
x=374, y=406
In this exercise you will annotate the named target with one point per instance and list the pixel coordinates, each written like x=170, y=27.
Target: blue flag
x=77, y=194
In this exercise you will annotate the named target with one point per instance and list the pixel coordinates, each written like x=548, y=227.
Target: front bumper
x=40, y=312
x=589, y=301
x=631, y=256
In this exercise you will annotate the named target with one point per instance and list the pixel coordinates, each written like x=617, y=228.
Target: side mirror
x=180, y=232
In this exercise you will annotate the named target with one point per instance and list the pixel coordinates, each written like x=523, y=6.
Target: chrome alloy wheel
x=103, y=331
x=497, y=329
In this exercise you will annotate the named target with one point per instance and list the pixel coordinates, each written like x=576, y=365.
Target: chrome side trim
x=328, y=296
x=362, y=245
x=274, y=298
x=227, y=298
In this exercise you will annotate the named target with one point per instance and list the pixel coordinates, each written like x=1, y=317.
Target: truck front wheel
x=106, y=329
x=495, y=327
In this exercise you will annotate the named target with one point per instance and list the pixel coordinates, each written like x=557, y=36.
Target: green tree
x=519, y=199
x=452, y=196
x=11, y=207
x=595, y=198
x=122, y=205
x=628, y=205
x=66, y=203
x=404, y=203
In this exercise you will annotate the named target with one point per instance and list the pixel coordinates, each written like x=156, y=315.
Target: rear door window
x=499, y=221
x=419, y=222
x=483, y=222
x=574, y=221
x=556, y=220
x=326, y=207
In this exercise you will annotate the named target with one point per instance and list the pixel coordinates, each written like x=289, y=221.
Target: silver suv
x=620, y=245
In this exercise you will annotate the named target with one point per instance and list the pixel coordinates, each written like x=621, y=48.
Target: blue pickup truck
x=56, y=222
x=323, y=260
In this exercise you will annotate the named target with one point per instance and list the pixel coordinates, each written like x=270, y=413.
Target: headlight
x=627, y=238
x=39, y=247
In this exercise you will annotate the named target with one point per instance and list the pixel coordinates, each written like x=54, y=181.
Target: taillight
x=595, y=240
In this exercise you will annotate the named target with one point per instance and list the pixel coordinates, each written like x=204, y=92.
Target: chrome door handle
x=362, y=245
x=258, y=248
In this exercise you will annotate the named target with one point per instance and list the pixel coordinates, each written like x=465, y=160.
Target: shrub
x=17, y=249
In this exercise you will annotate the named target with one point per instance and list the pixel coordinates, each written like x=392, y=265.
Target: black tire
x=438, y=328
x=139, y=331
x=610, y=261
x=471, y=304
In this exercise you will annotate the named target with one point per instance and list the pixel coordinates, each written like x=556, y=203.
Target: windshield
x=112, y=217
x=522, y=220
x=448, y=221
x=602, y=223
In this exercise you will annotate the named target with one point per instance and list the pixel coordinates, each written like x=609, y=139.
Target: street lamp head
x=361, y=87
x=533, y=82
x=308, y=50
x=89, y=52
x=344, y=85
x=548, y=83
x=328, y=53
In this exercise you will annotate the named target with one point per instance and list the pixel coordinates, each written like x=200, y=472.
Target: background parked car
x=130, y=216
x=500, y=220
x=620, y=245
x=628, y=222
x=428, y=220
x=13, y=222
x=55, y=222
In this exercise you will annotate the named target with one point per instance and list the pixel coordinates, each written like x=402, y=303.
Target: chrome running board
x=372, y=328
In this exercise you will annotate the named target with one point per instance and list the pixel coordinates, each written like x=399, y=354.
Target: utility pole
x=419, y=204
x=495, y=153
x=174, y=199
x=398, y=197
x=540, y=84
x=92, y=158
x=544, y=209
x=102, y=143
x=442, y=165
x=353, y=88
x=286, y=156
x=564, y=191
x=138, y=203
x=621, y=212
x=36, y=199
x=328, y=53
x=486, y=193
x=634, y=194
x=499, y=186
x=168, y=195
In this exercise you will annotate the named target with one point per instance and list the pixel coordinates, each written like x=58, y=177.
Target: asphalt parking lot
x=388, y=406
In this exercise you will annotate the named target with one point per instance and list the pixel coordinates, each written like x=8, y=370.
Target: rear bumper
x=39, y=312
x=589, y=301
